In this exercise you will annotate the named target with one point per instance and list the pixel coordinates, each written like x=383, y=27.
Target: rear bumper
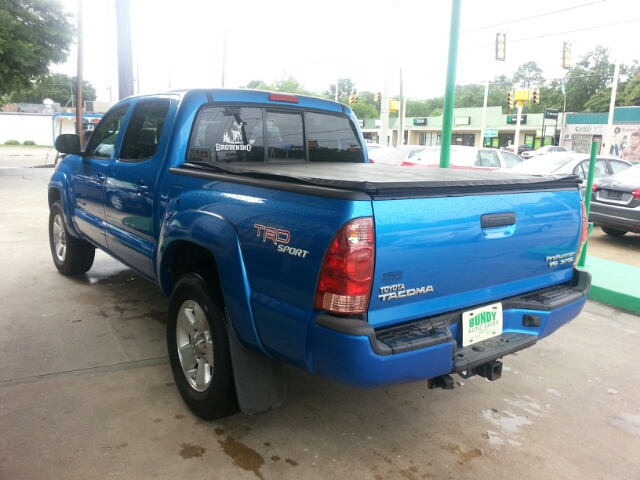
x=627, y=219
x=352, y=352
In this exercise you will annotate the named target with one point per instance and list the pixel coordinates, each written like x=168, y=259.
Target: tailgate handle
x=497, y=220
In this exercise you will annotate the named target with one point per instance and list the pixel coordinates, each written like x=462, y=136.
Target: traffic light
x=510, y=99
x=501, y=46
x=566, y=55
x=353, y=98
x=377, y=97
x=535, y=96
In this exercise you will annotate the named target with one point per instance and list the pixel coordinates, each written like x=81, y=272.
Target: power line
x=531, y=17
x=556, y=34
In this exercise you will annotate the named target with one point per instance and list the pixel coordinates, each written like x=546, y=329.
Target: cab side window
x=144, y=130
x=103, y=139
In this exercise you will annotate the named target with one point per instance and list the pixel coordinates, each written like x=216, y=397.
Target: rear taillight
x=636, y=193
x=344, y=285
x=594, y=187
x=584, y=233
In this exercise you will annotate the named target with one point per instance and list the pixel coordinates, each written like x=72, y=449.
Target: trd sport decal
x=280, y=239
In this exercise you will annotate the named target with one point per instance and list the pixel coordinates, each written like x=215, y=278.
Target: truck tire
x=614, y=232
x=71, y=255
x=199, y=354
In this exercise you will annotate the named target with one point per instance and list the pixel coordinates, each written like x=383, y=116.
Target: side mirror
x=68, y=143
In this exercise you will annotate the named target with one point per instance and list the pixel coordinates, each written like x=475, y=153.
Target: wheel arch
x=208, y=244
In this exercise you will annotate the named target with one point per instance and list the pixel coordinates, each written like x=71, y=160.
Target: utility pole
x=516, y=140
x=400, y=139
x=384, y=106
x=79, y=104
x=612, y=106
x=224, y=55
x=125, y=59
x=484, y=112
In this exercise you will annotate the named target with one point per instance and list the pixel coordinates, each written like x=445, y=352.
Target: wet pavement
x=86, y=390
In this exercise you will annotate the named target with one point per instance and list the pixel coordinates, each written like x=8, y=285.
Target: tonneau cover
x=379, y=179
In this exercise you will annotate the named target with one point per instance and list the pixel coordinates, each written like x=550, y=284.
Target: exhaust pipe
x=443, y=381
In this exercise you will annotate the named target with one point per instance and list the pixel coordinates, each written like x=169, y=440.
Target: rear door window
x=510, y=159
x=144, y=129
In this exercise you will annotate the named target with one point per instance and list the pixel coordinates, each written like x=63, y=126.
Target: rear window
x=251, y=134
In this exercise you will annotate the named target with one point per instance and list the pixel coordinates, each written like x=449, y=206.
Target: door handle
x=141, y=188
x=101, y=177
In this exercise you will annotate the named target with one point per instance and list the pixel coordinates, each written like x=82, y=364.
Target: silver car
x=615, y=203
x=572, y=162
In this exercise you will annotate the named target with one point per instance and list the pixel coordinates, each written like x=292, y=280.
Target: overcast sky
x=317, y=42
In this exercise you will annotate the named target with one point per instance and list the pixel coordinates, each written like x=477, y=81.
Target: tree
x=345, y=87
x=58, y=87
x=631, y=94
x=528, y=75
x=364, y=110
x=417, y=108
x=33, y=35
x=254, y=84
x=471, y=95
x=590, y=75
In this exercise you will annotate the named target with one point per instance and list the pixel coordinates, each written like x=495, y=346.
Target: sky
x=181, y=44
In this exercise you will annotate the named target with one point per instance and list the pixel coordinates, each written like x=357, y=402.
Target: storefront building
x=584, y=128
x=467, y=129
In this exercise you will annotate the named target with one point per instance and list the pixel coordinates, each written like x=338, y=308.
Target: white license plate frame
x=490, y=324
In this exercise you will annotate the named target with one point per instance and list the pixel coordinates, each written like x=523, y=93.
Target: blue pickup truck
x=277, y=242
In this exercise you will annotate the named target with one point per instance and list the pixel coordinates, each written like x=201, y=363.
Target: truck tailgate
x=439, y=254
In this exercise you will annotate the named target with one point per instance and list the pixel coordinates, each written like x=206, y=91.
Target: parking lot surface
x=86, y=390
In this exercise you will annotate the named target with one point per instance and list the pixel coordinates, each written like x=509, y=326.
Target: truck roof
x=244, y=95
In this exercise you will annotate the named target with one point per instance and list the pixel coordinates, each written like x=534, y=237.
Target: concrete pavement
x=86, y=391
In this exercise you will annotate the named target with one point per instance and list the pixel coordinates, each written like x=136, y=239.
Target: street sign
x=549, y=131
x=513, y=119
x=419, y=121
x=551, y=113
x=490, y=132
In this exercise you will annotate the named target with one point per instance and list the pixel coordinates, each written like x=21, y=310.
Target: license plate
x=614, y=195
x=481, y=323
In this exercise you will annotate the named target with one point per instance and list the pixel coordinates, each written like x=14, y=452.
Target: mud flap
x=259, y=380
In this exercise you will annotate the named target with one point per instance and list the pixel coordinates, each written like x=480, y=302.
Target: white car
x=542, y=151
x=466, y=158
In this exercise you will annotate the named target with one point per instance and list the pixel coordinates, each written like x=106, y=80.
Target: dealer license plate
x=481, y=323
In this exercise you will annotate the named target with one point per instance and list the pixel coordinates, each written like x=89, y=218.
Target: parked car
x=392, y=154
x=542, y=151
x=372, y=146
x=521, y=149
x=462, y=157
x=572, y=162
x=615, y=202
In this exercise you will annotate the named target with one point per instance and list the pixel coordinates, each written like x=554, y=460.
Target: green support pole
x=587, y=197
x=450, y=92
